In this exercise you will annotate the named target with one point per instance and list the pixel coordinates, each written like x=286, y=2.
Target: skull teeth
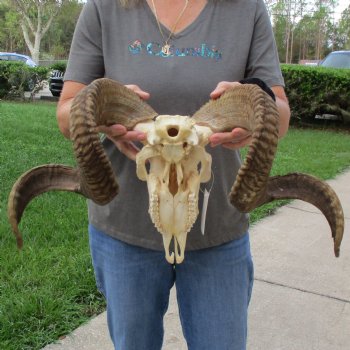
x=154, y=212
x=192, y=212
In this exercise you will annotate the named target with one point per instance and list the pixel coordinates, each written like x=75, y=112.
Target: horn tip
x=336, y=251
x=18, y=236
x=19, y=241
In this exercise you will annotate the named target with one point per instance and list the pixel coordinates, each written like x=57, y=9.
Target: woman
x=176, y=54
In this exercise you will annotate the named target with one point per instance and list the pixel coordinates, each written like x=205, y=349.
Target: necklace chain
x=166, y=46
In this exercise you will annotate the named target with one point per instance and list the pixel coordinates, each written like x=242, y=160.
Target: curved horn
x=35, y=182
x=248, y=107
x=312, y=190
x=103, y=102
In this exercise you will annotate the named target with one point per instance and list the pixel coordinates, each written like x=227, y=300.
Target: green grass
x=48, y=288
x=323, y=153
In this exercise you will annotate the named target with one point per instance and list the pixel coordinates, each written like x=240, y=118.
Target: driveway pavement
x=301, y=296
x=44, y=94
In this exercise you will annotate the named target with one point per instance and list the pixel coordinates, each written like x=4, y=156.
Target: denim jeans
x=213, y=291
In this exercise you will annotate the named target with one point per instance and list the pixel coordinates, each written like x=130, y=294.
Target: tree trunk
x=34, y=28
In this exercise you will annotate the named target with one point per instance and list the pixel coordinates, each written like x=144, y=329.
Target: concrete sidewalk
x=301, y=296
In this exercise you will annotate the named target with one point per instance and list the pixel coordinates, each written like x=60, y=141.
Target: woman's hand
x=235, y=139
x=122, y=138
x=238, y=137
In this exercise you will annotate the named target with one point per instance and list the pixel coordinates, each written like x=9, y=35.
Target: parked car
x=336, y=59
x=12, y=56
x=56, y=82
x=17, y=57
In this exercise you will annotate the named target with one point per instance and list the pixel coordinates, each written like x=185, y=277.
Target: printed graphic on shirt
x=167, y=51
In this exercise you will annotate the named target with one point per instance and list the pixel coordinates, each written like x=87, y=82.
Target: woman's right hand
x=122, y=138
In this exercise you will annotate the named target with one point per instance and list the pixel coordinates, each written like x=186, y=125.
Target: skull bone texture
x=178, y=163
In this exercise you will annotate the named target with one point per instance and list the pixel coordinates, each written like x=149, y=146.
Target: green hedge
x=317, y=90
x=61, y=66
x=17, y=77
x=310, y=90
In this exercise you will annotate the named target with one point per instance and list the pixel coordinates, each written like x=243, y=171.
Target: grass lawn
x=48, y=289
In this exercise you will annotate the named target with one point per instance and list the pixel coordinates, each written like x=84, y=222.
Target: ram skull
x=175, y=149
x=178, y=164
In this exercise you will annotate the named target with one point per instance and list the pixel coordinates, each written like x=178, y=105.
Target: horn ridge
x=103, y=102
x=249, y=107
x=253, y=175
x=310, y=189
x=34, y=182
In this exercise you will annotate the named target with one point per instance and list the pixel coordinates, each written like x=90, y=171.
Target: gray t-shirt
x=228, y=41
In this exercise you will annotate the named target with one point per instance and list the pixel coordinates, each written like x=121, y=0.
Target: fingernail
x=117, y=128
x=141, y=137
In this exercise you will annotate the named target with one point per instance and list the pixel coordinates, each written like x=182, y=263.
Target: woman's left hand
x=238, y=137
x=235, y=139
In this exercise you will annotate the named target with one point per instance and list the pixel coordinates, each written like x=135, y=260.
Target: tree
x=287, y=13
x=270, y=4
x=343, y=31
x=307, y=29
x=305, y=44
x=36, y=17
x=57, y=41
x=11, y=38
x=323, y=20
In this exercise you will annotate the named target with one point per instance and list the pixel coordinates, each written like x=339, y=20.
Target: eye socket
x=173, y=131
x=184, y=145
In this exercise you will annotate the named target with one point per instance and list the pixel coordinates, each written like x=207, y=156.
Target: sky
x=343, y=4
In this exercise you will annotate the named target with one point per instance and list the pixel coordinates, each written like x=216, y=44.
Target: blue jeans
x=213, y=292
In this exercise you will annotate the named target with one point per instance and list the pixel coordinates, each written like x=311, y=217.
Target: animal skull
x=178, y=164
x=175, y=151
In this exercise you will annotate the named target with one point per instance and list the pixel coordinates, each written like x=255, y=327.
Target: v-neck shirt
x=229, y=40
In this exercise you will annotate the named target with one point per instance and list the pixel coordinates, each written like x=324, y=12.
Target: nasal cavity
x=173, y=131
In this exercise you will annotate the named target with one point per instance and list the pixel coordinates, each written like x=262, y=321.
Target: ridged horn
x=312, y=190
x=35, y=182
x=103, y=102
x=248, y=107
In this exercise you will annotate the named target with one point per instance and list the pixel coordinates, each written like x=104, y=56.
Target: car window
x=4, y=57
x=17, y=58
x=339, y=60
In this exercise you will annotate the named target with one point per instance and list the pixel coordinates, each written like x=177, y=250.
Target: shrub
x=17, y=77
x=61, y=66
x=317, y=90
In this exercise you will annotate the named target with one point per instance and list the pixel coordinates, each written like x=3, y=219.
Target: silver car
x=16, y=57
x=336, y=59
